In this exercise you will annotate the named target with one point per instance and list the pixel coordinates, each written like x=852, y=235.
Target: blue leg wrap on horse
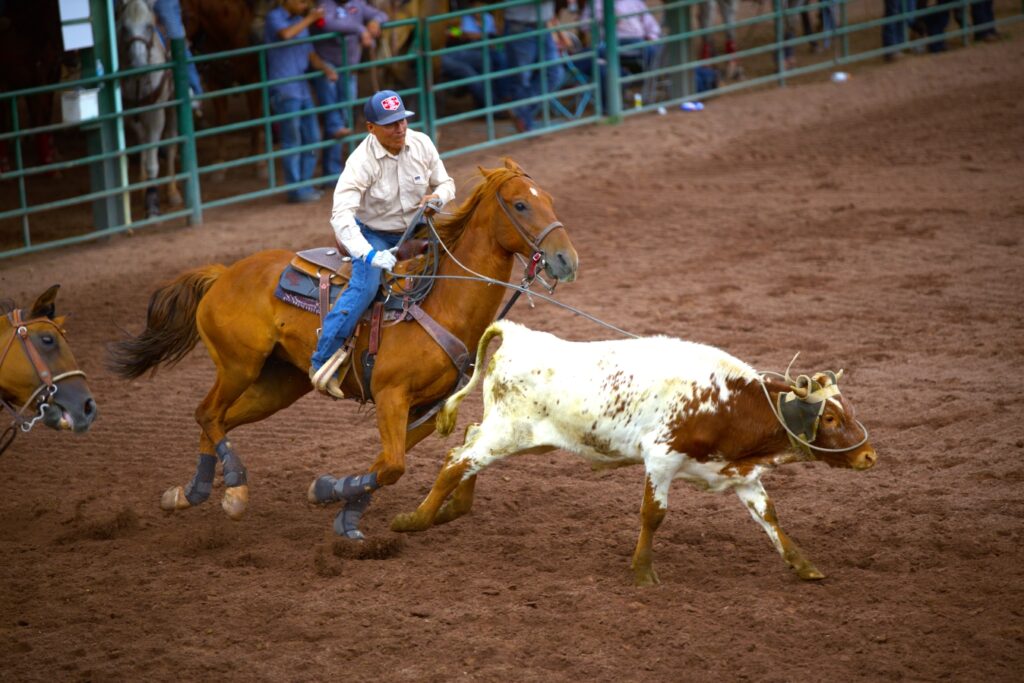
x=354, y=486
x=234, y=470
x=198, y=490
x=346, y=523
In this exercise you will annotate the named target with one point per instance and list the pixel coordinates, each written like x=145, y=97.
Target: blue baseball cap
x=386, y=107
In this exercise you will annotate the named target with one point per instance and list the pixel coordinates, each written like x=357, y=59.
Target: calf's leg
x=762, y=509
x=652, y=513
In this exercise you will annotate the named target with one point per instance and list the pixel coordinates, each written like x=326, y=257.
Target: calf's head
x=822, y=423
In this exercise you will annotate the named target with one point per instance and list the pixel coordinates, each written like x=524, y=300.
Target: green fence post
x=105, y=136
x=846, y=36
x=189, y=160
x=681, y=83
x=780, y=37
x=611, y=42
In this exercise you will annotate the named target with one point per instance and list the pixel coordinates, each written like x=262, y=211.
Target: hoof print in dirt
x=368, y=549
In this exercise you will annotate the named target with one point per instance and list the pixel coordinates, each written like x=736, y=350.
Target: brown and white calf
x=684, y=410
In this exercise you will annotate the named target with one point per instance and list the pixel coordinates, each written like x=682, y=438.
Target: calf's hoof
x=809, y=573
x=409, y=521
x=235, y=501
x=646, y=576
x=174, y=499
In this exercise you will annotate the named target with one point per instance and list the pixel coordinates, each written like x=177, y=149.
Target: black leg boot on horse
x=356, y=491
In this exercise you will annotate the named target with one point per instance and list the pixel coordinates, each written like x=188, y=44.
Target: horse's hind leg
x=173, y=194
x=278, y=386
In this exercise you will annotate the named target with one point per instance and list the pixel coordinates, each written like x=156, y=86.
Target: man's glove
x=384, y=260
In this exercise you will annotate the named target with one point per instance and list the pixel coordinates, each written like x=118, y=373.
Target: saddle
x=315, y=277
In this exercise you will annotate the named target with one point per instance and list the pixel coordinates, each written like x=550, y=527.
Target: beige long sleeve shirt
x=384, y=190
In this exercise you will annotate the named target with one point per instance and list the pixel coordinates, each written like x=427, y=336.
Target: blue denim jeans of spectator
x=169, y=13
x=524, y=52
x=330, y=93
x=469, y=63
x=895, y=32
x=341, y=322
x=297, y=130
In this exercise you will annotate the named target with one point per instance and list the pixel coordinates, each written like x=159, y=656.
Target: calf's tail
x=445, y=422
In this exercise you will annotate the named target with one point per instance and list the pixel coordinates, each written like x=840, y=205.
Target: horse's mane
x=451, y=228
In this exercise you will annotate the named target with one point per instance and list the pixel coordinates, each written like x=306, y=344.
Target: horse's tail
x=171, y=330
x=445, y=422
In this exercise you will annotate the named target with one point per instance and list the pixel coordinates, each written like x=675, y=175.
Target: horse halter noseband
x=47, y=388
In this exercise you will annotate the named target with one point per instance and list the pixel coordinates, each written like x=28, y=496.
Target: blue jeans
x=302, y=129
x=169, y=13
x=341, y=322
x=469, y=63
x=895, y=32
x=524, y=52
x=328, y=93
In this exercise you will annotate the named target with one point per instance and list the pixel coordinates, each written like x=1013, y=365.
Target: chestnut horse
x=261, y=346
x=39, y=378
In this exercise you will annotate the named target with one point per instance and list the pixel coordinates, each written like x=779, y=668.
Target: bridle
x=47, y=388
x=154, y=95
x=537, y=261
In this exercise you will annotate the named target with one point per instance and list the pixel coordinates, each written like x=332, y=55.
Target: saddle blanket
x=299, y=289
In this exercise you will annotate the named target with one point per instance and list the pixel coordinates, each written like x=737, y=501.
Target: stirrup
x=325, y=379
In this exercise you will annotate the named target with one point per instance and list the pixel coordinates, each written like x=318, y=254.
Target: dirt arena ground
x=874, y=226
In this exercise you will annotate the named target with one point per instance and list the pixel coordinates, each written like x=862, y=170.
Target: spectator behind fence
x=169, y=14
x=524, y=52
x=935, y=24
x=291, y=21
x=727, y=12
x=634, y=24
x=469, y=63
x=359, y=25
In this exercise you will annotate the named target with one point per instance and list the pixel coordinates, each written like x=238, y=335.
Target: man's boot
x=325, y=379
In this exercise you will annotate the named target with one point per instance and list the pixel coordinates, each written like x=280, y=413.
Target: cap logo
x=391, y=103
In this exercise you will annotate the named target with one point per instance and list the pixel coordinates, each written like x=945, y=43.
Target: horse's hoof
x=235, y=501
x=174, y=499
x=321, y=491
x=175, y=200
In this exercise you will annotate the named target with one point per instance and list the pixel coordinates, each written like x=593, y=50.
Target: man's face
x=296, y=7
x=390, y=136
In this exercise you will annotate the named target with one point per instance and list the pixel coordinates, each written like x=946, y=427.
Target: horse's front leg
x=356, y=491
x=153, y=123
x=173, y=193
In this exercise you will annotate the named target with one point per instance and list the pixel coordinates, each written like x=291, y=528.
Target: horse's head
x=39, y=378
x=532, y=228
x=136, y=31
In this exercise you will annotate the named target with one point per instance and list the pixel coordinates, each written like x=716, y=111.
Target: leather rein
x=47, y=388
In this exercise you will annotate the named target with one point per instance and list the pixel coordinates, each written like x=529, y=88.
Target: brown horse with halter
x=261, y=346
x=39, y=378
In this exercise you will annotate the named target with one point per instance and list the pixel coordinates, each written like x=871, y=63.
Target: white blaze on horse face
x=533, y=191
